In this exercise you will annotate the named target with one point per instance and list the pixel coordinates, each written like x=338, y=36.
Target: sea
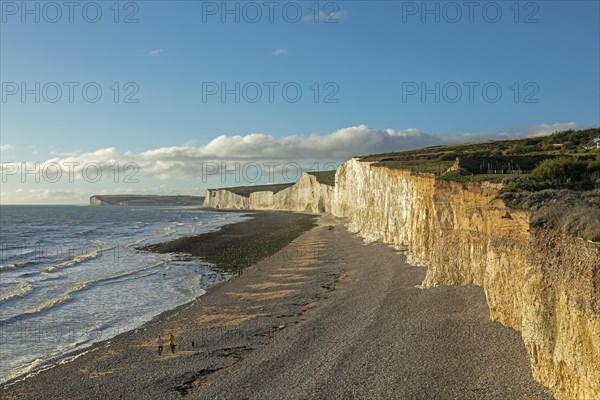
x=71, y=276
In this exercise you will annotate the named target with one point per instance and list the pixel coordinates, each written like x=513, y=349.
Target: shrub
x=593, y=166
x=563, y=171
x=514, y=184
x=547, y=146
x=515, y=149
x=570, y=212
x=447, y=156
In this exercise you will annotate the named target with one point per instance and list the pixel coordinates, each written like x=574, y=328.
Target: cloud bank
x=340, y=145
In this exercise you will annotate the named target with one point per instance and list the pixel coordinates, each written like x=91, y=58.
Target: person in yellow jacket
x=172, y=343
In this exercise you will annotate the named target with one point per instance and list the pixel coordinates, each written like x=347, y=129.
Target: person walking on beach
x=172, y=343
x=159, y=343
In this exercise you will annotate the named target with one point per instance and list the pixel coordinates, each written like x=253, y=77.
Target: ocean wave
x=16, y=250
x=132, y=246
x=79, y=259
x=50, y=361
x=4, y=267
x=13, y=266
x=22, y=370
x=119, y=277
x=77, y=287
x=80, y=233
x=48, y=276
x=50, y=303
x=167, y=231
x=11, y=293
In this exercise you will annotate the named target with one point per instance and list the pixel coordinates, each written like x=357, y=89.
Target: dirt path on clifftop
x=328, y=317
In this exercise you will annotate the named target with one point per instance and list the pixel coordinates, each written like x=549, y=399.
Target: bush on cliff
x=563, y=171
x=558, y=173
x=571, y=212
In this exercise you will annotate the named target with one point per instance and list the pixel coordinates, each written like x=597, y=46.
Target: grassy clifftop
x=494, y=160
x=557, y=177
x=324, y=177
x=576, y=213
x=246, y=191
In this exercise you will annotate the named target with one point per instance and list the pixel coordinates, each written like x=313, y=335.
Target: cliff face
x=307, y=195
x=540, y=282
x=545, y=284
x=96, y=201
x=225, y=199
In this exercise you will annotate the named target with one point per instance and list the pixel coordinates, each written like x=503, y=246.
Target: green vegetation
x=424, y=166
x=556, y=161
x=564, y=171
x=555, y=176
x=560, y=143
x=575, y=213
x=245, y=191
x=461, y=176
x=575, y=173
x=325, y=177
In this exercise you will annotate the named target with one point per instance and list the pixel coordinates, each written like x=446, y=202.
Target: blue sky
x=544, y=57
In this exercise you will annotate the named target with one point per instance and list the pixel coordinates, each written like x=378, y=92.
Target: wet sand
x=326, y=317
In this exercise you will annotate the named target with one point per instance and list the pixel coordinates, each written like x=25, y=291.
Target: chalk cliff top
x=491, y=161
x=324, y=177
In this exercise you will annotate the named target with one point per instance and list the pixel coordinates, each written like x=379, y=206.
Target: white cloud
x=184, y=162
x=546, y=129
x=280, y=52
x=6, y=147
x=44, y=196
x=155, y=52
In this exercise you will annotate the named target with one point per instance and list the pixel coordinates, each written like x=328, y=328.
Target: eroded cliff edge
x=540, y=282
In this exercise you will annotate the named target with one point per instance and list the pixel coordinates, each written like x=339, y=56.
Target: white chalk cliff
x=540, y=282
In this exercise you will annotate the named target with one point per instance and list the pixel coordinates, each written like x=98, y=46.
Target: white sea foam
x=101, y=291
x=12, y=292
x=79, y=259
x=38, y=365
x=8, y=266
x=50, y=303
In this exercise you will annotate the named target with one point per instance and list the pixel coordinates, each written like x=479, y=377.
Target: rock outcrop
x=97, y=201
x=540, y=282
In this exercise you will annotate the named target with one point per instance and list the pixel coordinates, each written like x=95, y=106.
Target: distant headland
x=145, y=200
